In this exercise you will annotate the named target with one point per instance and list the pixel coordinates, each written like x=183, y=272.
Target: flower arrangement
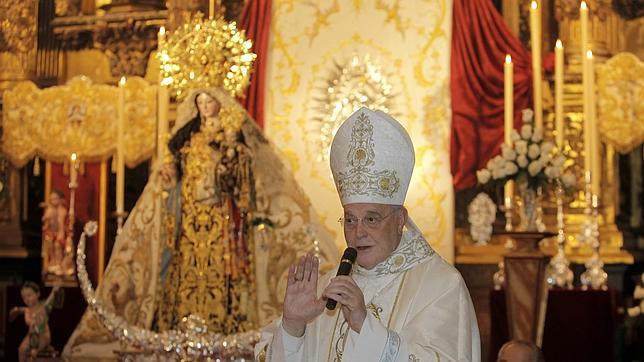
x=529, y=159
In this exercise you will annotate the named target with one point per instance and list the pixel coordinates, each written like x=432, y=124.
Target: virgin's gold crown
x=206, y=53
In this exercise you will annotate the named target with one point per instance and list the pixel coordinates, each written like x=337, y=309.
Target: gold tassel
x=36, y=166
x=113, y=164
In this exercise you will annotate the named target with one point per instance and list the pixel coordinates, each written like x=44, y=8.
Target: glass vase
x=528, y=201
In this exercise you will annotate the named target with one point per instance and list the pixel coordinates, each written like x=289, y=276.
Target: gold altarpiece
x=618, y=112
x=79, y=117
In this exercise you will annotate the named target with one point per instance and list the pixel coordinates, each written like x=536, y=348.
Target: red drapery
x=256, y=20
x=480, y=41
x=86, y=208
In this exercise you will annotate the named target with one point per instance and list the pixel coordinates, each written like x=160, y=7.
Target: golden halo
x=206, y=53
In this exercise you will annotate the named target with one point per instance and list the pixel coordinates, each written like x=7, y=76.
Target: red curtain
x=256, y=20
x=480, y=41
x=86, y=206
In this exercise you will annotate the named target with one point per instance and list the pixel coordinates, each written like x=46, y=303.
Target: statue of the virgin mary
x=212, y=234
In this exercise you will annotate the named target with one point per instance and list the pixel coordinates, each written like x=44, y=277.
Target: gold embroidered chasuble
x=418, y=310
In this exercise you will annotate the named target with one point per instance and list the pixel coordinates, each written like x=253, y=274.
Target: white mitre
x=372, y=159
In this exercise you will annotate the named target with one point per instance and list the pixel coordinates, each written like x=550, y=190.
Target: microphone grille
x=350, y=254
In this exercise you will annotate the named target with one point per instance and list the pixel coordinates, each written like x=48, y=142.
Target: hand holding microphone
x=343, y=289
x=346, y=264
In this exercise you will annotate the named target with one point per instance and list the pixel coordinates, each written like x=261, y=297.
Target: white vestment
x=418, y=308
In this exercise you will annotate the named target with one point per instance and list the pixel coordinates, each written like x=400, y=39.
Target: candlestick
x=559, y=83
x=535, y=39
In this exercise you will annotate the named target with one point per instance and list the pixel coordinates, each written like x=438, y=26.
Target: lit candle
x=162, y=126
x=535, y=40
x=592, y=124
x=161, y=37
x=559, y=82
x=73, y=171
x=508, y=124
x=583, y=19
x=508, y=93
x=120, y=167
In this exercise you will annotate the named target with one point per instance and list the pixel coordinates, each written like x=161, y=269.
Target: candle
x=559, y=82
x=73, y=171
x=583, y=18
x=535, y=39
x=211, y=9
x=508, y=93
x=508, y=124
x=162, y=126
x=592, y=124
x=161, y=36
x=120, y=167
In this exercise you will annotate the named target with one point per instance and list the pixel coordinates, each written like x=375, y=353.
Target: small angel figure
x=36, y=314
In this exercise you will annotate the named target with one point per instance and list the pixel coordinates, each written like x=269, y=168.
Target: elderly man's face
x=374, y=230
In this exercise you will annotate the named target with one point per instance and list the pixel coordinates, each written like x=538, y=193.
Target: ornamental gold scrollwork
x=18, y=26
x=77, y=117
x=17, y=37
x=620, y=84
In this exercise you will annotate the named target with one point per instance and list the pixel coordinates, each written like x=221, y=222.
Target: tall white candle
x=508, y=96
x=162, y=126
x=508, y=121
x=120, y=148
x=73, y=171
x=535, y=40
x=559, y=83
x=592, y=124
x=583, y=18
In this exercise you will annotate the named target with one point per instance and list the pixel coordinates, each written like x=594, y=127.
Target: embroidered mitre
x=372, y=159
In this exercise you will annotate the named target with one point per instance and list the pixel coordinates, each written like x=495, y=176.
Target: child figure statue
x=36, y=314
x=54, y=225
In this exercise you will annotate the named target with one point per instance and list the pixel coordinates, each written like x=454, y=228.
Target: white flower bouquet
x=529, y=158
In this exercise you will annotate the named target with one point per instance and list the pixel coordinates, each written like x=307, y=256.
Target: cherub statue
x=54, y=225
x=36, y=314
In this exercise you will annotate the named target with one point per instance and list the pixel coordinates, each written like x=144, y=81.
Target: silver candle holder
x=559, y=272
x=594, y=277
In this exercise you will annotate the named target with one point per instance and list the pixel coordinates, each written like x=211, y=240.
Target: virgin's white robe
x=419, y=310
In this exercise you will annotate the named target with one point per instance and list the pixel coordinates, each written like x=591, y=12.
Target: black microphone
x=346, y=263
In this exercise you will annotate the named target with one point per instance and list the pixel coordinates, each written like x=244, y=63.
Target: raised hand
x=301, y=303
x=345, y=291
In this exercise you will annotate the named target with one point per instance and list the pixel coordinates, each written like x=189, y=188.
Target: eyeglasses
x=370, y=221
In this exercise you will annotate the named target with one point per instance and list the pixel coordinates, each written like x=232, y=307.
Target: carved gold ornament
x=359, y=82
x=78, y=117
x=207, y=53
x=620, y=84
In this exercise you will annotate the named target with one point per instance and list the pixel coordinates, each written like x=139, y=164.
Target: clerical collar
x=412, y=250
